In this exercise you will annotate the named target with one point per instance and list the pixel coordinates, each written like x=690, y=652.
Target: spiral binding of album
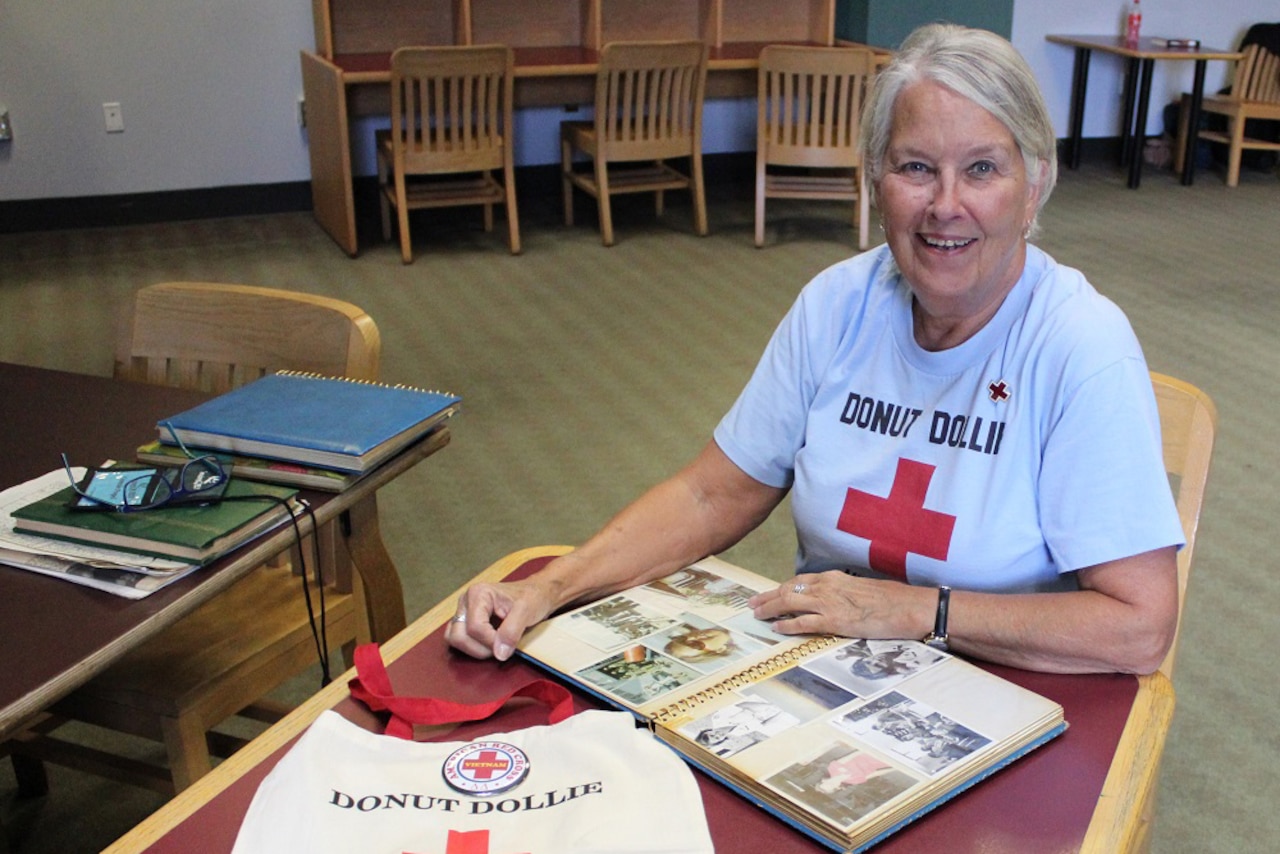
x=755, y=673
x=311, y=375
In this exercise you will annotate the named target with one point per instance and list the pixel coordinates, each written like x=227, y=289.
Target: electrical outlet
x=114, y=117
x=302, y=111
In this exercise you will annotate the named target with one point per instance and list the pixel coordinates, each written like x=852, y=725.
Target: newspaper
x=119, y=572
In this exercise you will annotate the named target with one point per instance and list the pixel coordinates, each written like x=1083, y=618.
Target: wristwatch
x=938, y=638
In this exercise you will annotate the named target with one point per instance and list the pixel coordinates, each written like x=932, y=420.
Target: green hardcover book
x=198, y=534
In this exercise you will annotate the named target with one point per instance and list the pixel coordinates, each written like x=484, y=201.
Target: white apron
x=593, y=782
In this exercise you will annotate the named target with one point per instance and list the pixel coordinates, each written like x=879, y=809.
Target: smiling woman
x=1023, y=467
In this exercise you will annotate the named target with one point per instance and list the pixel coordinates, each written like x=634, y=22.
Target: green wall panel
x=885, y=23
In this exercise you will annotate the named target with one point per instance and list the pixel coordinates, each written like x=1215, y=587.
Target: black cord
x=320, y=631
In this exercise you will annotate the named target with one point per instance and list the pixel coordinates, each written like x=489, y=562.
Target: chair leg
x=760, y=182
x=402, y=212
x=1180, y=147
x=384, y=202
x=488, y=209
x=1235, y=151
x=566, y=165
x=659, y=197
x=513, y=217
x=699, y=197
x=602, y=200
x=33, y=780
x=187, y=750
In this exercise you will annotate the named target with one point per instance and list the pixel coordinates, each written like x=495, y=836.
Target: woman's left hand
x=836, y=603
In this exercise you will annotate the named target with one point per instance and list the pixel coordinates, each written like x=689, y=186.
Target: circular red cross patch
x=485, y=767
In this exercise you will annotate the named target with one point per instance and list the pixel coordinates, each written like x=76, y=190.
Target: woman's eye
x=983, y=167
x=914, y=167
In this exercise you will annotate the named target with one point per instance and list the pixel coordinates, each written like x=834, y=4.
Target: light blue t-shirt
x=1006, y=463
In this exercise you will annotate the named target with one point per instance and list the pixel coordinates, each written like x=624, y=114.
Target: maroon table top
x=49, y=626
x=1043, y=803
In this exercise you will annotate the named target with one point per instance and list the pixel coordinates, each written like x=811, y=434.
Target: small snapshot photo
x=802, y=694
x=615, y=622
x=700, y=587
x=732, y=729
x=702, y=643
x=867, y=667
x=841, y=783
x=907, y=728
x=638, y=674
x=761, y=631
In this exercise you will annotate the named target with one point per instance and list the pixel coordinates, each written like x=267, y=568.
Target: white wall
x=1219, y=23
x=209, y=89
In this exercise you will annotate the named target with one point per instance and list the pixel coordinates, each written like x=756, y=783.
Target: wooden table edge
x=1127, y=801
x=153, y=828
x=1106, y=44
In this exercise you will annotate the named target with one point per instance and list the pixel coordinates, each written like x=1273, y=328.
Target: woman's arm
x=706, y=507
x=1122, y=619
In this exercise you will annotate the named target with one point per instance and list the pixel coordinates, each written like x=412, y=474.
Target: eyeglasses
x=130, y=493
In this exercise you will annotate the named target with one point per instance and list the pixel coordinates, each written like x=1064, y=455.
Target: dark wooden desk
x=1084, y=792
x=1140, y=60
x=55, y=634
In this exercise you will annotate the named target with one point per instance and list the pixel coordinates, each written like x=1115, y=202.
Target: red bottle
x=1133, y=24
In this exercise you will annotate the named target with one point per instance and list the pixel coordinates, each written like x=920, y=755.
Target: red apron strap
x=372, y=686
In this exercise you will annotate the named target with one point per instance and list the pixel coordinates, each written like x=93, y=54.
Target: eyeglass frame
x=176, y=487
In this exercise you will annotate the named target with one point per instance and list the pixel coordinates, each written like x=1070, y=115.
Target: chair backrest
x=1188, y=420
x=451, y=107
x=649, y=98
x=1257, y=76
x=215, y=337
x=810, y=103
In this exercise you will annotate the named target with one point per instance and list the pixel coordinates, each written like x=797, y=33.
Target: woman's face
x=956, y=203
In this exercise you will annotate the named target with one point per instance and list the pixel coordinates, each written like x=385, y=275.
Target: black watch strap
x=938, y=638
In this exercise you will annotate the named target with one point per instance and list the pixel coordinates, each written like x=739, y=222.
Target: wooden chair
x=1188, y=421
x=223, y=658
x=810, y=104
x=1255, y=94
x=450, y=116
x=648, y=110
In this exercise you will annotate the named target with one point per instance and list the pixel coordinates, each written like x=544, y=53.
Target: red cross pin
x=999, y=391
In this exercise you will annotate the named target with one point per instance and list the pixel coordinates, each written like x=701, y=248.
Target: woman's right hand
x=492, y=618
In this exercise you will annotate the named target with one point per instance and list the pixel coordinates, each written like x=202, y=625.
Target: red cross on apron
x=466, y=842
x=900, y=523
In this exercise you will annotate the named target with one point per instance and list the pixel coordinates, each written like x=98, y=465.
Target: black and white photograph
x=638, y=675
x=701, y=587
x=867, y=667
x=616, y=621
x=732, y=729
x=913, y=731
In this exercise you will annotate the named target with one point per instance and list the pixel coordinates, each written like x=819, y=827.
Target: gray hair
x=977, y=65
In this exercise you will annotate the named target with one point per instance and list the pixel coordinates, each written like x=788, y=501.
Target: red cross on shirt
x=900, y=523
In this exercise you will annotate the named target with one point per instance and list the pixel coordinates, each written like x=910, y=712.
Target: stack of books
x=129, y=554
x=284, y=431
x=303, y=430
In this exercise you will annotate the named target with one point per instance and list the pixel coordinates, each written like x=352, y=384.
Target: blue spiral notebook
x=329, y=422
